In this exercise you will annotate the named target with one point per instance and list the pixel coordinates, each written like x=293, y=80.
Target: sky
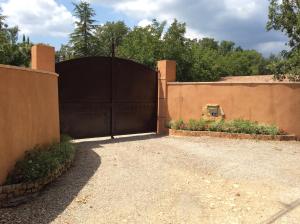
x=241, y=21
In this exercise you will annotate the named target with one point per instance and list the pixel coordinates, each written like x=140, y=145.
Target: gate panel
x=85, y=96
x=134, y=98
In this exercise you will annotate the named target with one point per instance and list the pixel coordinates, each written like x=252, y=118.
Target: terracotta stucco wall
x=273, y=103
x=28, y=113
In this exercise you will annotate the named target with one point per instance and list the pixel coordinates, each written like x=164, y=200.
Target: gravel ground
x=150, y=179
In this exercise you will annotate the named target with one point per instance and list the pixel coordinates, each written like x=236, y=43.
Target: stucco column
x=166, y=73
x=43, y=58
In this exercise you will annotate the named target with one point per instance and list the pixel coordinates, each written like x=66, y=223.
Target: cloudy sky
x=242, y=21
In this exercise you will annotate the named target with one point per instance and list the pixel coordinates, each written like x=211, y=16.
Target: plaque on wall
x=213, y=112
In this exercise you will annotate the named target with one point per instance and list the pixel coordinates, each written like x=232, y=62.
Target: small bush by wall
x=39, y=167
x=234, y=126
x=41, y=161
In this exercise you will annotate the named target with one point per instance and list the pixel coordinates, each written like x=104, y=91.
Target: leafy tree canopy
x=13, y=52
x=284, y=16
x=109, y=36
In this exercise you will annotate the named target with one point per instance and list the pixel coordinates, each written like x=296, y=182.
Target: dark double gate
x=104, y=96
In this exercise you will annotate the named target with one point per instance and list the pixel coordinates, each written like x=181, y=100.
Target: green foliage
x=197, y=60
x=82, y=38
x=65, y=53
x=109, y=34
x=177, y=125
x=219, y=126
x=287, y=66
x=252, y=127
x=284, y=16
x=175, y=48
x=41, y=161
x=13, y=52
x=235, y=126
x=196, y=125
x=143, y=44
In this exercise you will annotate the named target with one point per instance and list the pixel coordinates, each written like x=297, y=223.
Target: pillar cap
x=43, y=57
x=167, y=70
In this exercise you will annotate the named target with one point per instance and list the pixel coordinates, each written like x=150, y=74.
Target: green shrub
x=195, y=125
x=216, y=126
x=269, y=130
x=244, y=126
x=192, y=125
x=41, y=161
x=177, y=125
x=234, y=126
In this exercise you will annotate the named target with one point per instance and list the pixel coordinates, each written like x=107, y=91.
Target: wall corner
x=166, y=73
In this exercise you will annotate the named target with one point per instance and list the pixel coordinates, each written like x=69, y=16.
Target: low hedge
x=233, y=126
x=41, y=161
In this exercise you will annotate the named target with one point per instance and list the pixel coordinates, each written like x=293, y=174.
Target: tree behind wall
x=175, y=48
x=197, y=60
x=143, y=44
x=82, y=39
x=109, y=34
x=13, y=52
x=284, y=16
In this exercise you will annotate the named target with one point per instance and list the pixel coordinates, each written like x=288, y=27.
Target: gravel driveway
x=150, y=179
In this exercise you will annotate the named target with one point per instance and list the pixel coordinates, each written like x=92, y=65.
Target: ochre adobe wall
x=28, y=113
x=272, y=103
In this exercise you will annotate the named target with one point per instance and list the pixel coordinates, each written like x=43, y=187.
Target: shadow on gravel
x=55, y=198
x=288, y=208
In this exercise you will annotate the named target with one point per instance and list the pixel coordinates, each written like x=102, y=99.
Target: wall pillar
x=43, y=58
x=166, y=73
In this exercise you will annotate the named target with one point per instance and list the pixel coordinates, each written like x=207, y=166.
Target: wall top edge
x=28, y=69
x=233, y=83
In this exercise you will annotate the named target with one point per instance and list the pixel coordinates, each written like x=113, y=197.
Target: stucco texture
x=271, y=103
x=28, y=111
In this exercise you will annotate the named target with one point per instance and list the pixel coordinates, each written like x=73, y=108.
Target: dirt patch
x=147, y=179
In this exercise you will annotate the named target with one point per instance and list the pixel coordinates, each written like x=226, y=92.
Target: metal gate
x=106, y=96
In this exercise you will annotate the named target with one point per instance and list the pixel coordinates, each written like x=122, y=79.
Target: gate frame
x=151, y=96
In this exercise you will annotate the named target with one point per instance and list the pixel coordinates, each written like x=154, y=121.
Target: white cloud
x=144, y=22
x=141, y=9
x=243, y=9
x=39, y=17
x=193, y=34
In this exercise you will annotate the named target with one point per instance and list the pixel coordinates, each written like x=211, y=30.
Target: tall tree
x=209, y=43
x=226, y=47
x=109, y=34
x=81, y=39
x=284, y=16
x=144, y=44
x=176, y=48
